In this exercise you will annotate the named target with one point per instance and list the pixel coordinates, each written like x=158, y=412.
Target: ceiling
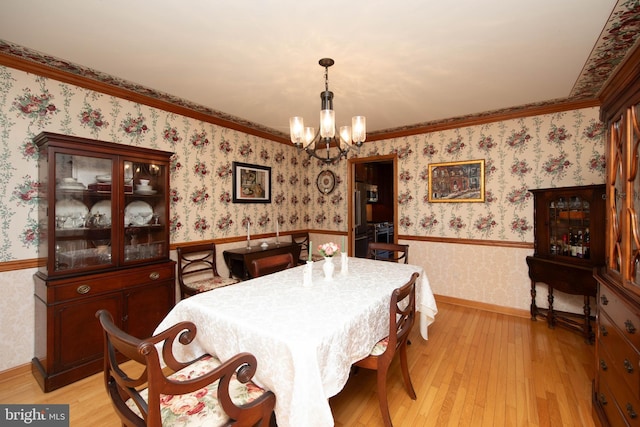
x=400, y=64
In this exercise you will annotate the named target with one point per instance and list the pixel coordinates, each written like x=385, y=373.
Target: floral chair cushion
x=380, y=347
x=215, y=282
x=200, y=408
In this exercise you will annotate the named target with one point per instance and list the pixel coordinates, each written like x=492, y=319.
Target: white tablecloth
x=304, y=338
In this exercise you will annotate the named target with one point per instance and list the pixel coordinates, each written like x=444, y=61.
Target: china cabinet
x=569, y=242
x=616, y=397
x=103, y=215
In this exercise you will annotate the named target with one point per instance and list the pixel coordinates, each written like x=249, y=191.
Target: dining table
x=305, y=333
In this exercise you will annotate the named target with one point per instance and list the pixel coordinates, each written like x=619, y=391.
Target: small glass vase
x=328, y=267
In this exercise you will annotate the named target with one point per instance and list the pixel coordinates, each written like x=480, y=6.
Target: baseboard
x=483, y=306
x=15, y=372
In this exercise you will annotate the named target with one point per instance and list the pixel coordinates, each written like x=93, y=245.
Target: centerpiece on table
x=328, y=250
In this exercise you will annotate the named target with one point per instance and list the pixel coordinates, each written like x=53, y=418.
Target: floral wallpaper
x=560, y=149
x=201, y=167
x=554, y=150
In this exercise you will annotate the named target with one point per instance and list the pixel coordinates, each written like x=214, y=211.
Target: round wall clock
x=326, y=181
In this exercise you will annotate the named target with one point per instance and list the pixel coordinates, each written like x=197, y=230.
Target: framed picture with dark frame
x=456, y=182
x=251, y=183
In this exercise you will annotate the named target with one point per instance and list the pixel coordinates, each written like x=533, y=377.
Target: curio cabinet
x=569, y=243
x=616, y=391
x=104, y=244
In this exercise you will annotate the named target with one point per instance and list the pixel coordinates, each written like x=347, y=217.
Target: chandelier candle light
x=349, y=137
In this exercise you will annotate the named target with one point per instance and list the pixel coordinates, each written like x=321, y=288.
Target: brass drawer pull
x=603, y=399
x=603, y=331
x=628, y=366
x=604, y=300
x=83, y=289
x=630, y=411
x=629, y=326
x=154, y=275
x=603, y=364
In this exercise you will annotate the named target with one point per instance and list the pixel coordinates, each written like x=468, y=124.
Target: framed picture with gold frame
x=456, y=182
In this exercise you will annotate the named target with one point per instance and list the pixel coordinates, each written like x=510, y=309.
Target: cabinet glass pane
x=144, y=212
x=615, y=202
x=82, y=212
x=569, y=227
x=634, y=207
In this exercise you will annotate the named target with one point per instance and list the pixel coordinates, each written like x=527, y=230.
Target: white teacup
x=144, y=182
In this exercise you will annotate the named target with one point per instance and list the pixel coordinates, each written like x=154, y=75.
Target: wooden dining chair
x=205, y=390
x=302, y=239
x=271, y=264
x=388, y=252
x=197, y=270
x=402, y=316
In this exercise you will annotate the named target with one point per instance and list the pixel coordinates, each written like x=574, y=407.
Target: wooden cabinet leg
x=551, y=317
x=588, y=333
x=534, y=308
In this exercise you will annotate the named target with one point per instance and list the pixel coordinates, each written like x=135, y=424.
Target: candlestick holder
x=344, y=264
x=248, y=242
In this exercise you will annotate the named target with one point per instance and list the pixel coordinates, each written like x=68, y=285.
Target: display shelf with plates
x=104, y=212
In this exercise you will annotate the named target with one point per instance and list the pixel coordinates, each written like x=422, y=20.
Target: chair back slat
x=388, y=252
x=271, y=264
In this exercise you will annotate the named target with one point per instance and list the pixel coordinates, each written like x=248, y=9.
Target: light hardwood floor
x=478, y=368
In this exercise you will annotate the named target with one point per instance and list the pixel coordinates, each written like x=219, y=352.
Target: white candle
x=343, y=248
x=310, y=249
x=277, y=228
x=248, y=233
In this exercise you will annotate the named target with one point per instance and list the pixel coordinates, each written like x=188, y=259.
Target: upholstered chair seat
x=201, y=407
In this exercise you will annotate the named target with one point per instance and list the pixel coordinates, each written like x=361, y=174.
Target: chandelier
x=348, y=138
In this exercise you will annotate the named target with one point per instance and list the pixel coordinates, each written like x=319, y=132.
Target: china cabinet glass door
x=617, y=181
x=569, y=227
x=82, y=212
x=634, y=199
x=144, y=210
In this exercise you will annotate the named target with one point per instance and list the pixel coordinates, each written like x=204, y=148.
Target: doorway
x=373, y=202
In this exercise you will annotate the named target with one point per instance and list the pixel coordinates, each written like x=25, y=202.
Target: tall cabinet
x=616, y=397
x=104, y=244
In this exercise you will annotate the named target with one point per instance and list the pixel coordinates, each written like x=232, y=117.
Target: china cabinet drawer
x=87, y=286
x=606, y=401
x=626, y=399
x=150, y=274
x=623, y=317
x=623, y=358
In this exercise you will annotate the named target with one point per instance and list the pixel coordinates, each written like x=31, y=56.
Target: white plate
x=76, y=186
x=103, y=207
x=71, y=213
x=138, y=213
x=145, y=192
